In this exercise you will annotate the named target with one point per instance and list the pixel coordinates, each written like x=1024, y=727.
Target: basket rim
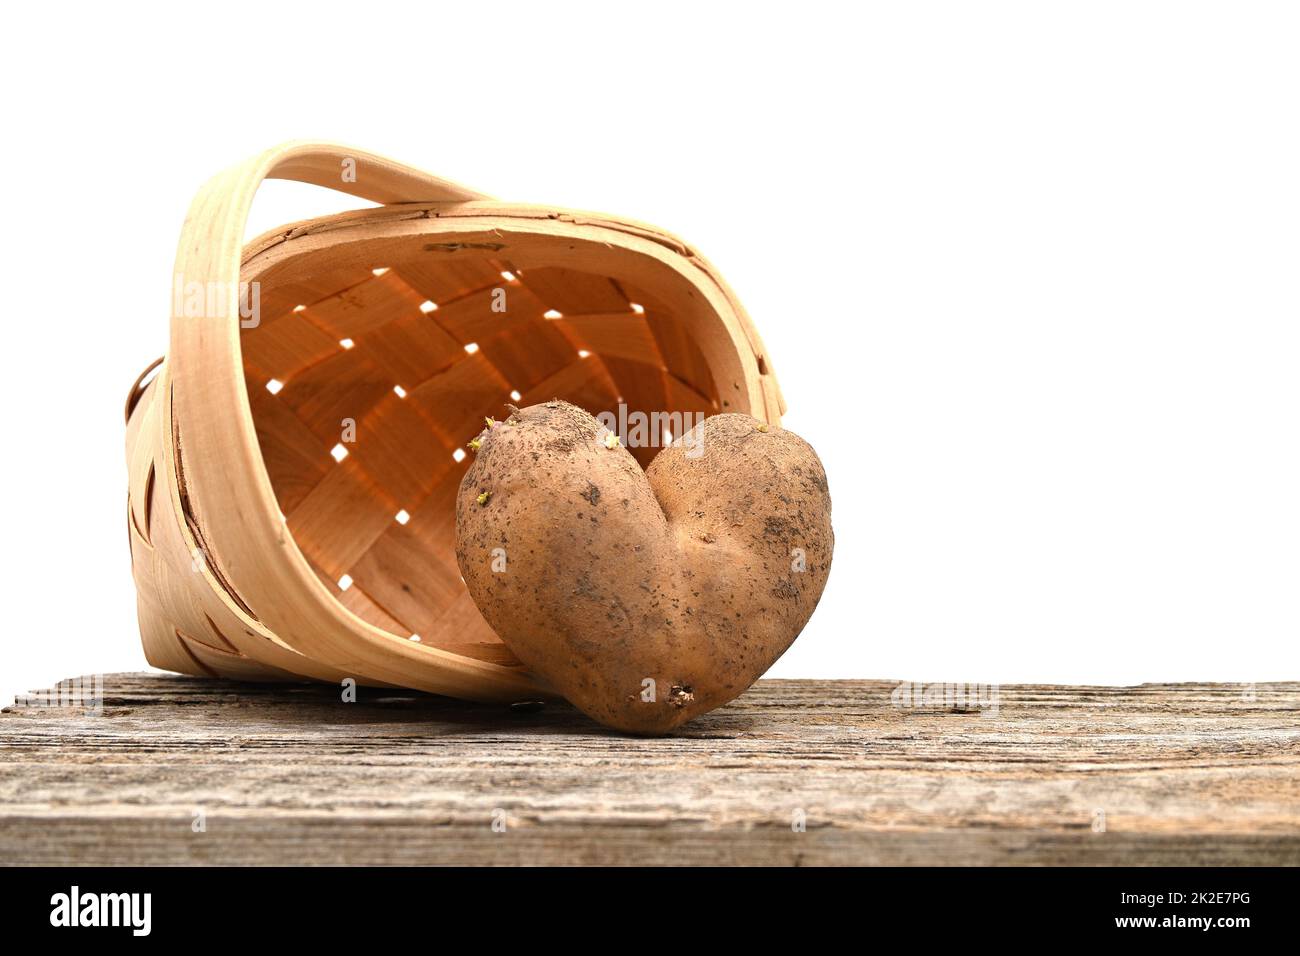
x=520, y=213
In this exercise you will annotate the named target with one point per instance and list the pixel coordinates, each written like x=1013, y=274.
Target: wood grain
x=1185, y=774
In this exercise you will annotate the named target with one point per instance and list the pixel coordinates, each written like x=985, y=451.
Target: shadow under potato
x=321, y=706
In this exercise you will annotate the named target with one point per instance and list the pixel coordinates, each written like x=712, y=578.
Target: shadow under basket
x=294, y=460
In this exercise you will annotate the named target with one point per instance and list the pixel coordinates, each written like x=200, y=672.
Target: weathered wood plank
x=1189, y=774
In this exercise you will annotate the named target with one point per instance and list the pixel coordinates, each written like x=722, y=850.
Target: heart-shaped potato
x=644, y=597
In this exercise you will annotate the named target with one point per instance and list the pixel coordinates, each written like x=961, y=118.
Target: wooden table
x=181, y=770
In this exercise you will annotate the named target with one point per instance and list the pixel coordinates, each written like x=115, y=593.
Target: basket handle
x=212, y=237
x=207, y=422
x=358, y=173
x=212, y=241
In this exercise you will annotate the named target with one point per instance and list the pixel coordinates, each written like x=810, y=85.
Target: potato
x=644, y=597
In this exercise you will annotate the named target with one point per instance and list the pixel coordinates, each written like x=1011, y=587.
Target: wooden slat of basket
x=283, y=348
x=143, y=475
x=332, y=544
x=462, y=624
x=410, y=580
x=472, y=319
x=772, y=400
x=573, y=292
x=251, y=641
x=366, y=307
x=531, y=353
x=232, y=667
x=444, y=279
x=440, y=637
x=282, y=300
x=493, y=652
x=683, y=398
x=212, y=637
x=454, y=400
x=400, y=450
x=435, y=519
x=680, y=352
x=158, y=636
x=622, y=335
x=295, y=457
x=174, y=604
x=585, y=382
x=437, y=607
x=412, y=349
x=309, y=290
x=211, y=657
x=356, y=600
x=640, y=386
x=275, y=304
x=344, y=386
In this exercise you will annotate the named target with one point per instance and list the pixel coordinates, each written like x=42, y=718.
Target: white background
x=1028, y=273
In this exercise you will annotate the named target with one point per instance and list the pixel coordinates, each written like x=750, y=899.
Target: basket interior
x=368, y=379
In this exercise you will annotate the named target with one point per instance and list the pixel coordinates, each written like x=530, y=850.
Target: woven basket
x=295, y=458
